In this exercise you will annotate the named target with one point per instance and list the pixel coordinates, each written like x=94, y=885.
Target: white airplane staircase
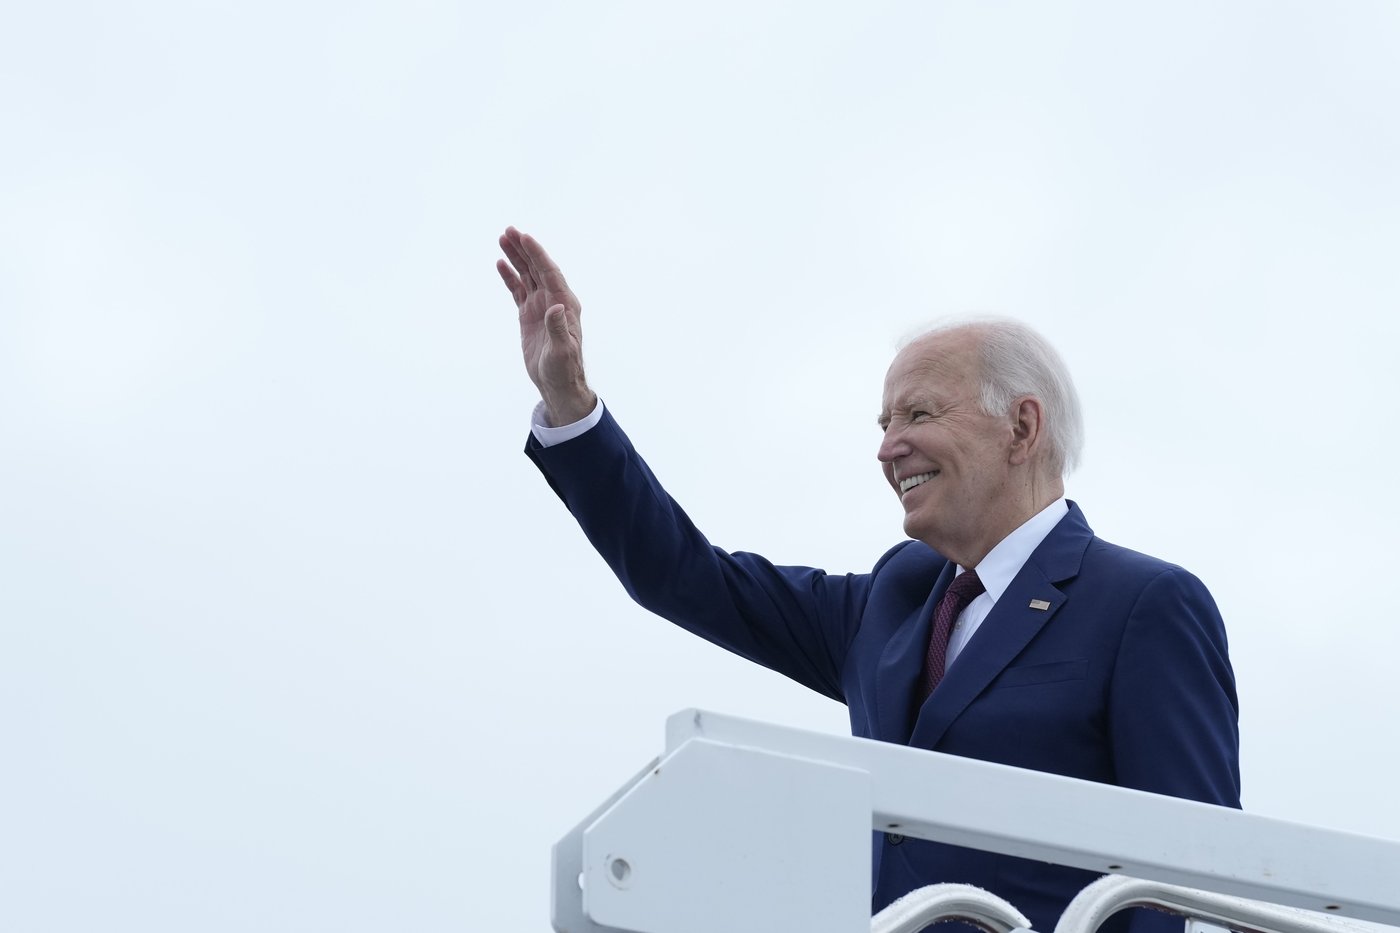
x=746, y=827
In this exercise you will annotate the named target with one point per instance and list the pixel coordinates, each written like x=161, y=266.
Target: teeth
x=909, y=482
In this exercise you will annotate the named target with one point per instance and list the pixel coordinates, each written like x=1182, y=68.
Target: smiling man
x=1005, y=630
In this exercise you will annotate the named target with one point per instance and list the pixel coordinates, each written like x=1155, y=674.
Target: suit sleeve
x=798, y=621
x=1173, y=709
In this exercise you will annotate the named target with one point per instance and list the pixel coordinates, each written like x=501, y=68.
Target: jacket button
x=894, y=838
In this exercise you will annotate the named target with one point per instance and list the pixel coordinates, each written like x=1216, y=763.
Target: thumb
x=557, y=321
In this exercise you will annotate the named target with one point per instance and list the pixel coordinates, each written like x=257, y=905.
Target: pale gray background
x=292, y=637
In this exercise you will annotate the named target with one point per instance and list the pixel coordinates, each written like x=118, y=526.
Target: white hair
x=1018, y=362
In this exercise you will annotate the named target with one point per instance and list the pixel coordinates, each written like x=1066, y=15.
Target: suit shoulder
x=1107, y=554
x=1134, y=568
x=909, y=559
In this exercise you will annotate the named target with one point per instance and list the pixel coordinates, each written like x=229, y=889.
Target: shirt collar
x=1003, y=562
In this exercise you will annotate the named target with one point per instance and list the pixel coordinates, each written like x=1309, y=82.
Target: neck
x=1031, y=499
x=1044, y=491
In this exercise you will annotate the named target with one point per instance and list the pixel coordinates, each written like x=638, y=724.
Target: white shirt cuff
x=548, y=436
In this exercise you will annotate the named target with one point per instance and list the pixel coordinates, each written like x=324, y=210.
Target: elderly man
x=1004, y=630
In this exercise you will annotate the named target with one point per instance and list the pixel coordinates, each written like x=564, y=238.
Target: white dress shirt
x=548, y=436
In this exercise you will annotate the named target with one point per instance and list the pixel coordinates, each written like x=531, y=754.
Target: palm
x=535, y=341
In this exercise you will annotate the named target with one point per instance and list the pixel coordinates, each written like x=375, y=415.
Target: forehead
x=939, y=367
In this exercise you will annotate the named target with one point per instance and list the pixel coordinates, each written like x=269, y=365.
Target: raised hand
x=551, y=337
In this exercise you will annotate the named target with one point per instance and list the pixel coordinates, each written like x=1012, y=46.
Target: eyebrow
x=887, y=415
x=919, y=402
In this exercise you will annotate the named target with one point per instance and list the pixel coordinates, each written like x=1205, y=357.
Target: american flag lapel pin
x=1041, y=604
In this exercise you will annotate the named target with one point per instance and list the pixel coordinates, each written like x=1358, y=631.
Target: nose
x=892, y=446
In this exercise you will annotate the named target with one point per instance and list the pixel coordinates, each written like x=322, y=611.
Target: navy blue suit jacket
x=1124, y=679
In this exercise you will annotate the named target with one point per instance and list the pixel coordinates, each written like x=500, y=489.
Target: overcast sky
x=292, y=636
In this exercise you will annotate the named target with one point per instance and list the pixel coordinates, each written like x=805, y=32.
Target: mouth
x=918, y=479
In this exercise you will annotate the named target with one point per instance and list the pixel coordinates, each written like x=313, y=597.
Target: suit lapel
x=902, y=664
x=1008, y=628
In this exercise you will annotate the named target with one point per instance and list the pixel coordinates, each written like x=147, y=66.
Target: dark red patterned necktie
x=964, y=589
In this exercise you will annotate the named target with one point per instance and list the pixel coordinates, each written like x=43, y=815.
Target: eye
x=917, y=416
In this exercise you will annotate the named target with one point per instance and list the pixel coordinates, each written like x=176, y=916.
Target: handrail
x=1112, y=893
x=1010, y=811
x=937, y=902
x=745, y=826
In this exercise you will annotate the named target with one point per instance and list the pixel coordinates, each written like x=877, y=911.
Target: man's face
x=947, y=461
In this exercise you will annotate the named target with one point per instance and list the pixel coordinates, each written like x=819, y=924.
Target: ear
x=1027, y=430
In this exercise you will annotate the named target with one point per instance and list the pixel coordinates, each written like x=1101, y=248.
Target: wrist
x=565, y=408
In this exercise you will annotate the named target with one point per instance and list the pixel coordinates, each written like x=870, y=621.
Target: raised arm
x=551, y=336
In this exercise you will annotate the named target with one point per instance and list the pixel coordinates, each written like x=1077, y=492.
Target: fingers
x=517, y=290
x=510, y=245
x=531, y=269
x=544, y=269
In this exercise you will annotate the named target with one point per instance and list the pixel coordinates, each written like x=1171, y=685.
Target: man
x=1004, y=631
